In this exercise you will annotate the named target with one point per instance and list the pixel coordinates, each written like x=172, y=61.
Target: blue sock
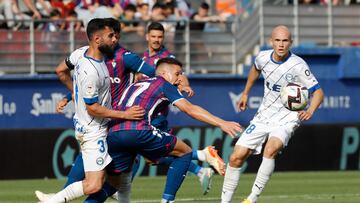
x=194, y=155
x=166, y=160
x=106, y=191
x=135, y=167
x=176, y=175
x=77, y=171
x=194, y=168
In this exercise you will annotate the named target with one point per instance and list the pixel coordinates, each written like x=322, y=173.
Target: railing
x=35, y=51
x=217, y=50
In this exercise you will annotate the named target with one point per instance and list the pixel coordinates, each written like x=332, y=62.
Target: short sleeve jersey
x=91, y=85
x=277, y=75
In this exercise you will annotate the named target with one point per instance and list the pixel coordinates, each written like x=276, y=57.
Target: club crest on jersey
x=113, y=63
x=289, y=78
x=100, y=161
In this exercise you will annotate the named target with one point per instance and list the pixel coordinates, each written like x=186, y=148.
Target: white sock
x=263, y=176
x=124, y=189
x=201, y=155
x=71, y=192
x=231, y=181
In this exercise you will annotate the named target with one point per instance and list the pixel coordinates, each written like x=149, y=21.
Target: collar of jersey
x=280, y=62
x=88, y=57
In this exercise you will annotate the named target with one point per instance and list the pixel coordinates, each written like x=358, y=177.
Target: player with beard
x=92, y=103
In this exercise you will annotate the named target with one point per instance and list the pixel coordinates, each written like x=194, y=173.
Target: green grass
x=309, y=187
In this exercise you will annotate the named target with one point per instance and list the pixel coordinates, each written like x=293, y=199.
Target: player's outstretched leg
x=76, y=174
x=213, y=158
x=175, y=176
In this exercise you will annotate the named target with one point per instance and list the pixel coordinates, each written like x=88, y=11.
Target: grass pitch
x=309, y=187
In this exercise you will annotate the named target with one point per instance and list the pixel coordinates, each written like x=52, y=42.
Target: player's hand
x=134, y=113
x=242, y=103
x=61, y=105
x=231, y=128
x=304, y=115
x=187, y=89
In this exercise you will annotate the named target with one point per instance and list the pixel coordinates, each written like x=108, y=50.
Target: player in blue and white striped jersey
x=272, y=122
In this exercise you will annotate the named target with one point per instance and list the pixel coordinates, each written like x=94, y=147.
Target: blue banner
x=30, y=103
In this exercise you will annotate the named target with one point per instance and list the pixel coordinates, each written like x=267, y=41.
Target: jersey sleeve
x=172, y=93
x=307, y=79
x=136, y=64
x=72, y=60
x=89, y=87
x=258, y=62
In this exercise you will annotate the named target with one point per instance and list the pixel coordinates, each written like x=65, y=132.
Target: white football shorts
x=256, y=133
x=94, y=150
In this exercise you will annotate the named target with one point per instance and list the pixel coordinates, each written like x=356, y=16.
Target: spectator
x=54, y=25
x=143, y=11
x=89, y=9
x=72, y=16
x=127, y=21
x=157, y=12
x=113, y=6
x=6, y=11
x=201, y=17
x=65, y=7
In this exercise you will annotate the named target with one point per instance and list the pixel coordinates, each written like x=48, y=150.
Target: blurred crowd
x=58, y=15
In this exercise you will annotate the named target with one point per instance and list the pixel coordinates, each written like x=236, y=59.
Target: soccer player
x=156, y=50
x=92, y=103
x=128, y=138
x=121, y=65
x=273, y=121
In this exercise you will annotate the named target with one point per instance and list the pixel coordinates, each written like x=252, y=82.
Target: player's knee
x=236, y=160
x=92, y=187
x=270, y=152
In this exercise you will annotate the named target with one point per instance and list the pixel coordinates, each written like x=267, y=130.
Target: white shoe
x=42, y=197
x=205, y=179
x=212, y=157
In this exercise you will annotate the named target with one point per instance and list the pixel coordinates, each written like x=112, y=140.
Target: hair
x=130, y=7
x=204, y=5
x=155, y=26
x=96, y=25
x=54, y=13
x=114, y=24
x=168, y=60
x=158, y=5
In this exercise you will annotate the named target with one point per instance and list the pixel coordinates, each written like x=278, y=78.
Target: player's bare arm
x=316, y=100
x=198, y=113
x=133, y=113
x=252, y=77
x=63, y=72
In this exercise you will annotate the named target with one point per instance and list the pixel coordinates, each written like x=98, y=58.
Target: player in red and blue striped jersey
x=156, y=50
x=126, y=139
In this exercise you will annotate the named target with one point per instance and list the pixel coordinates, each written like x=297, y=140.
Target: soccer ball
x=294, y=97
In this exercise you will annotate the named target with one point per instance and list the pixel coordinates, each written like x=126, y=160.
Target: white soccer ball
x=294, y=97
